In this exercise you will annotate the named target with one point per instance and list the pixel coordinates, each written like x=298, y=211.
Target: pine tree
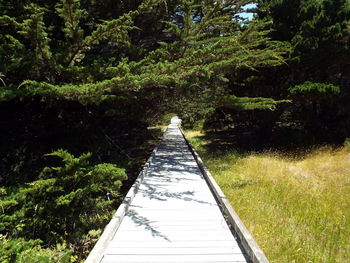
x=315, y=29
x=206, y=41
x=318, y=64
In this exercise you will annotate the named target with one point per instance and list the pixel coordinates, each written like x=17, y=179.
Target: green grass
x=297, y=208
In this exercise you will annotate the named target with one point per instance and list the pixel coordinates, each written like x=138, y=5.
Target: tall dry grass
x=297, y=208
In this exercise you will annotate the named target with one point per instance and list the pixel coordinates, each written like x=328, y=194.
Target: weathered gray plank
x=173, y=250
x=180, y=244
x=172, y=258
x=151, y=235
x=175, y=203
x=198, y=227
x=128, y=222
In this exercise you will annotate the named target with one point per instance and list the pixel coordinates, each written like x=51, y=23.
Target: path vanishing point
x=175, y=212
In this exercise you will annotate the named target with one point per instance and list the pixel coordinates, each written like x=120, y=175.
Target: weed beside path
x=297, y=208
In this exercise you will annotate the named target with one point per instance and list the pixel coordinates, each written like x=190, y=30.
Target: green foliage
x=199, y=63
x=245, y=103
x=314, y=88
x=314, y=28
x=312, y=22
x=315, y=105
x=21, y=251
x=347, y=142
x=195, y=51
x=70, y=12
x=54, y=42
x=316, y=81
x=1, y=80
x=314, y=91
x=65, y=203
x=34, y=30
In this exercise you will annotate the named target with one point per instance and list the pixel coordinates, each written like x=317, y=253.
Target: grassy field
x=297, y=207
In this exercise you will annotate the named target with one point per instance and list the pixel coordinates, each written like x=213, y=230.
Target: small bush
x=63, y=205
x=21, y=251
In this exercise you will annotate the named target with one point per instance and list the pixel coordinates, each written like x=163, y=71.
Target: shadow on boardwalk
x=172, y=158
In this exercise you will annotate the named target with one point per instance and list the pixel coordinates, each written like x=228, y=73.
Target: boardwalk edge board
x=249, y=244
x=109, y=231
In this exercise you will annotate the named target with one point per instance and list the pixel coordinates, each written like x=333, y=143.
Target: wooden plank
x=174, y=258
x=179, y=244
x=173, y=199
x=184, y=227
x=172, y=236
x=184, y=175
x=180, y=233
x=192, y=210
x=148, y=217
x=172, y=251
x=193, y=190
x=207, y=210
x=175, y=221
x=174, y=202
x=166, y=225
x=172, y=181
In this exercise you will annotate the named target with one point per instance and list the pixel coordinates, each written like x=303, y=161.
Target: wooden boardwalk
x=172, y=215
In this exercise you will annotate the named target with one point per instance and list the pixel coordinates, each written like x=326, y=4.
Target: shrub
x=22, y=251
x=64, y=204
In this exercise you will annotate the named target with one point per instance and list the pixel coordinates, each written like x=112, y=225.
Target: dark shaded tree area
x=81, y=81
x=315, y=78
